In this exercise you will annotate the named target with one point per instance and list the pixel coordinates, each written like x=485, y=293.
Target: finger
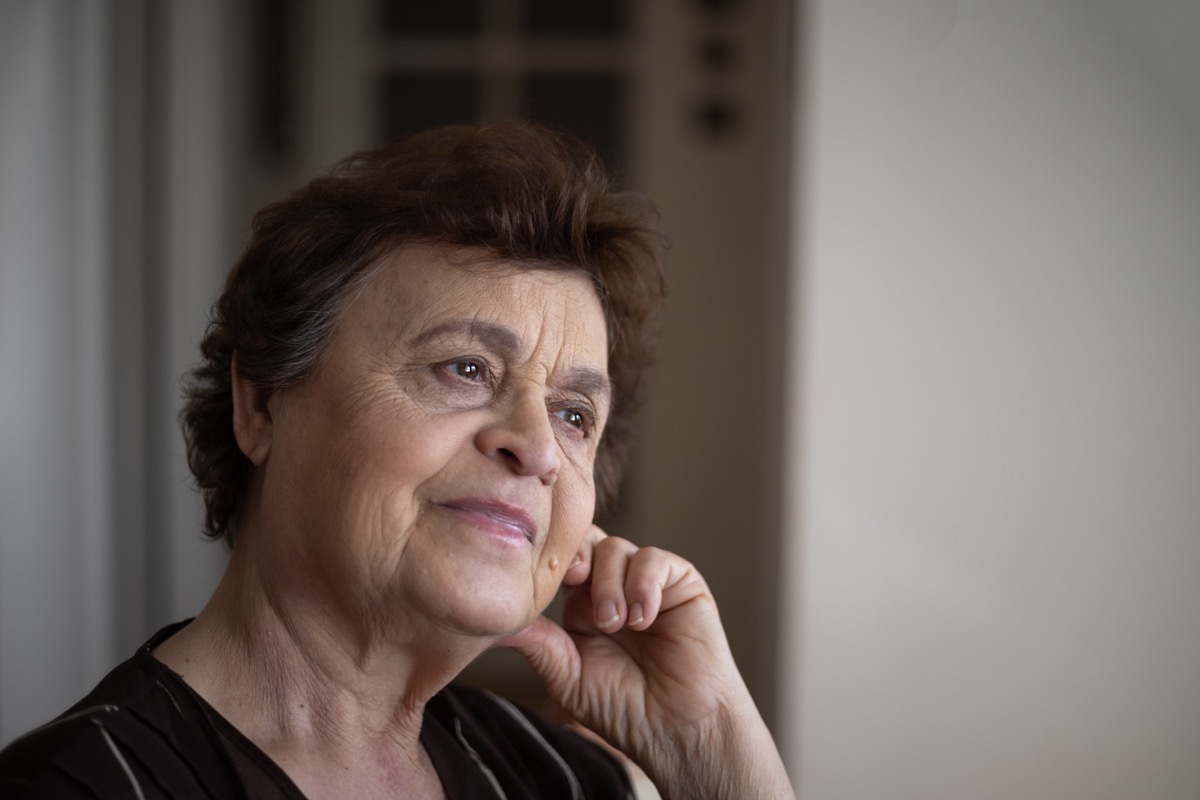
x=650, y=571
x=610, y=564
x=581, y=566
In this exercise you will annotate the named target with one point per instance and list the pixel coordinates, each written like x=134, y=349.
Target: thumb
x=552, y=654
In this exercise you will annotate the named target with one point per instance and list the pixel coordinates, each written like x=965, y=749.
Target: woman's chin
x=470, y=597
x=466, y=616
x=491, y=627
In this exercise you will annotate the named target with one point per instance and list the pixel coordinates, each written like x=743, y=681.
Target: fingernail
x=635, y=614
x=606, y=614
x=577, y=560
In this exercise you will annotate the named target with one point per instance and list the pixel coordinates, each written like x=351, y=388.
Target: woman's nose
x=523, y=437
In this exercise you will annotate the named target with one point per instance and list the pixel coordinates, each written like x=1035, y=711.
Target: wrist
x=730, y=755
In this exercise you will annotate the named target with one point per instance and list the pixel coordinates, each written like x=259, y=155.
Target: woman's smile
x=507, y=522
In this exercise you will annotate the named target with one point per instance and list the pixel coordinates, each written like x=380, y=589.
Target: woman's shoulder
x=127, y=737
x=72, y=756
x=477, y=735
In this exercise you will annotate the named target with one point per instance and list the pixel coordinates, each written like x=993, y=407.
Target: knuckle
x=652, y=555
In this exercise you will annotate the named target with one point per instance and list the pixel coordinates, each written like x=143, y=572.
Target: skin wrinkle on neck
x=292, y=712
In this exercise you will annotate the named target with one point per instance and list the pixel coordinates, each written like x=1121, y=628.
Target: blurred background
x=926, y=412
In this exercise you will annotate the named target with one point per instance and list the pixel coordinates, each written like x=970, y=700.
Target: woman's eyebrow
x=498, y=338
x=591, y=383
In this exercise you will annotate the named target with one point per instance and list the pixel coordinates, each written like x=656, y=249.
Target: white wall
x=995, y=469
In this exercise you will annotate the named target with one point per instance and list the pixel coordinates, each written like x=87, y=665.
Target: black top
x=143, y=733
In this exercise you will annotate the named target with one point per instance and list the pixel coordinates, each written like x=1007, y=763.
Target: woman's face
x=437, y=467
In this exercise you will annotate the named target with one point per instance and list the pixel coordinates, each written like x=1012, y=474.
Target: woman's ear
x=252, y=423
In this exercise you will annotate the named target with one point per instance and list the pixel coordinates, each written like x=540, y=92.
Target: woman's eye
x=577, y=419
x=468, y=370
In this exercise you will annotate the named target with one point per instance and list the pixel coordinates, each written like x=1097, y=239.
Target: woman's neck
x=320, y=692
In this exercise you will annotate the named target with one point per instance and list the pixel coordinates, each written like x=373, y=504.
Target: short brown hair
x=515, y=190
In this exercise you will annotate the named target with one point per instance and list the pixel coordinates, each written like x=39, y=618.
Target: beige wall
x=993, y=481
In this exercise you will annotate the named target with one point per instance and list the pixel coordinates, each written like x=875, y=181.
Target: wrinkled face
x=438, y=466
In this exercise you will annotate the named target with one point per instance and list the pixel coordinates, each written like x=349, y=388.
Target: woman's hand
x=642, y=659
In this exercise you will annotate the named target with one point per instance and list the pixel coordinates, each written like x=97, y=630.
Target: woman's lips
x=507, y=517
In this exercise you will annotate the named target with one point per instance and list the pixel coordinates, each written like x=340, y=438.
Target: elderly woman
x=414, y=398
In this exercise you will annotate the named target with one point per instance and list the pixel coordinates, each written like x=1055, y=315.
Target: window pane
x=408, y=17
x=590, y=106
x=574, y=17
x=413, y=102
